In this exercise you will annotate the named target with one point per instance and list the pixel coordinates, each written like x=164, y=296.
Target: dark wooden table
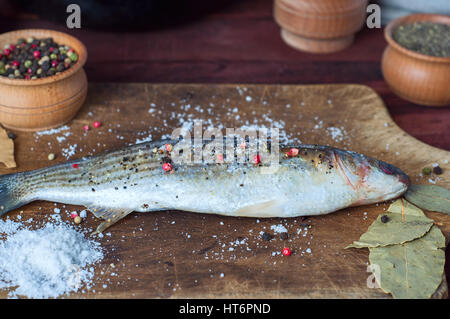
x=240, y=44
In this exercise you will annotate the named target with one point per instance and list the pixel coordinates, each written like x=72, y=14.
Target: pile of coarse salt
x=48, y=262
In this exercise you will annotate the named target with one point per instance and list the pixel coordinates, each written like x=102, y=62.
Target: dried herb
x=413, y=269
x=406, y=223
x=429, y=197
x=7, y=149
x=428, y=38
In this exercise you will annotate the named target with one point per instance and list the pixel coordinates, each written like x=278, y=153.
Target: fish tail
x=10, y=195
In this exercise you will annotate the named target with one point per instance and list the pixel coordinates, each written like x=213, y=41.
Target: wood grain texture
x=154, y=257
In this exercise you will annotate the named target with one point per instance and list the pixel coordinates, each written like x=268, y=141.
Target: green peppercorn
x=426, y=171
x=53, y=56
x=28, y=63
x=73, y=56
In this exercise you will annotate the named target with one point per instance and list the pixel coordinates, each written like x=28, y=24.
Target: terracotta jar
x=320, y=26
x=413, y=76
x=31, y=105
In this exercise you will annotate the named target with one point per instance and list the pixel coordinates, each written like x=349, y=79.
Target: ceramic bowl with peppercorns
x=42, y=80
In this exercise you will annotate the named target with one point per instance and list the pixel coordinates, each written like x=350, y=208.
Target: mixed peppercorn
x=32, y=58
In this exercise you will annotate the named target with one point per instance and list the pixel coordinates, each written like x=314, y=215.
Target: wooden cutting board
x=185, y=255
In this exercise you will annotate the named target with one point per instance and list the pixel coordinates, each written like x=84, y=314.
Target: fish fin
x=110, y=216
x=271, y=208
x=9, y=198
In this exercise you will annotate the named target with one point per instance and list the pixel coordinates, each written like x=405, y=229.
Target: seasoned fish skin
x=318, y=180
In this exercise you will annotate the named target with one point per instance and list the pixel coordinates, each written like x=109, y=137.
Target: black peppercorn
x=284, y=236
x=384, y=219
x=11, y=135
x=437, y=170
x=266, y=236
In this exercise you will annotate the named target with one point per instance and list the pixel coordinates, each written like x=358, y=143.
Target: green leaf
x=406, y=222
x=413, y=269
x=430, y=197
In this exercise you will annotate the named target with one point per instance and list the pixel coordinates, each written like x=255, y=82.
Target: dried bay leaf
x=6, y=149
x=429, y=197
x=413, y=269
x=406, y=223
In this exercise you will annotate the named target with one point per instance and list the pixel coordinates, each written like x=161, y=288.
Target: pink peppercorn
x=86, y=128
x=97, y=124
x=27, y=77
x=37, y=54
x=73, y=215
x=256, y=159
x=167, y=167
x=287, y=251
x=169, y=147
x=54, y=63
x=75, y=165
x=292, y=152
x=7, y=51
x=34, y=46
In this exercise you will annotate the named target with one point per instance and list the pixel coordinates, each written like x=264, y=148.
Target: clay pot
x=413, y=76
x=319, y=26
x=32, y=105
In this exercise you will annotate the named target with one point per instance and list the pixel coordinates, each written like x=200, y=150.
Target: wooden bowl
x=413, y=76
x=32, y=105
x=319, y=26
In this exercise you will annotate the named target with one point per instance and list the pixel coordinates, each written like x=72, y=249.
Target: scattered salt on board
x=48, y=262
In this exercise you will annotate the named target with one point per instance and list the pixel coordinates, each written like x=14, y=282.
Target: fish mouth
x=389, y=169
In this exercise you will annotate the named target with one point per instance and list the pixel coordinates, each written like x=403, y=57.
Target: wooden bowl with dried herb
x=416, y=62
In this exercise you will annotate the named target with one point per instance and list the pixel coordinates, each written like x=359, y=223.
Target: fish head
x=372, y=179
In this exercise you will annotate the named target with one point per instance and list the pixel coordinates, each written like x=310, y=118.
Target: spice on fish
x=426, y=171
x=167, y=167
x=384, y=219
x=266, y=236
x=292, y=152
x=75, y=165
x=97, y=124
